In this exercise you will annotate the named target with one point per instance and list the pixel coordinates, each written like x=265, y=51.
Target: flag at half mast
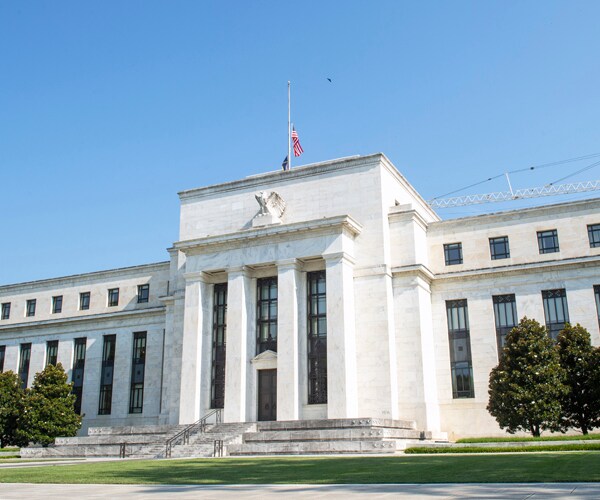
x=297, y=147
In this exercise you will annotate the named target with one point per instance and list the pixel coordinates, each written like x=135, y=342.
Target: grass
x=514, y=439
x=529, y=467
x=16, y=450
x=504, y=449
x=6, y=457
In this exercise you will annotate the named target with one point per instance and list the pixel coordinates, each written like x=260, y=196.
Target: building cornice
x=414, y=271
x=341, y=223
x=74, y=278
x=401, y=213
x=151, y=311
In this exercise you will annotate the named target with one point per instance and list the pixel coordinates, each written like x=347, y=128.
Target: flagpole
x=289, y=130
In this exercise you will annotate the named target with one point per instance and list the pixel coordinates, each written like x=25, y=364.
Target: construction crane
x=518, y=194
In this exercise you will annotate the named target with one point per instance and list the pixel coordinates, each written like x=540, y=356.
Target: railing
x=122, y=450
x=183, y=437
x=218, y=448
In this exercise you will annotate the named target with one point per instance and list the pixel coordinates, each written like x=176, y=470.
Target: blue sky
x=107, y=109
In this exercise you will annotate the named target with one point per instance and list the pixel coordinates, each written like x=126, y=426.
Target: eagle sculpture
x=270, y=203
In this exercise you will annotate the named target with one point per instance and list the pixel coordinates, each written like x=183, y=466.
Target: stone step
x=112, y=439
x=136, y=429
x=315, y=448
x=193, y=451
x=352, y=434
x=343, y=423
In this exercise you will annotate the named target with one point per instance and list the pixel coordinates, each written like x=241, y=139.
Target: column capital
x=332, y=259
x=286, y=264
x=238, y=271
x=195, y=276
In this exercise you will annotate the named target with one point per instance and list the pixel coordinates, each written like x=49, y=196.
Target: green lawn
x=529, y=467
x=503, y=449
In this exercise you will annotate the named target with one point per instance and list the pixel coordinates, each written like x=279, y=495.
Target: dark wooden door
x=267, y=395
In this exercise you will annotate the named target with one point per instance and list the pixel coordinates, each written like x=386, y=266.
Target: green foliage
x=581, y=362
x=48, y=408
x=11, y=404
x=527, y=386
x=503, y=449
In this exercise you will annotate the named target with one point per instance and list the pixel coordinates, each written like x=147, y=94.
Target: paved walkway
x=336, y=492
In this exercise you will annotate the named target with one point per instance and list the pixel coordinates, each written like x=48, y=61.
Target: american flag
x=297, y=148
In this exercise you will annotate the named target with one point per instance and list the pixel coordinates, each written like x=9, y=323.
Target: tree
x=581, y=362
x=48, y=408
x=11, y=404
x=527, y=386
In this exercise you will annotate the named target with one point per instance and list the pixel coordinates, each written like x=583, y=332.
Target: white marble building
x=339, y=291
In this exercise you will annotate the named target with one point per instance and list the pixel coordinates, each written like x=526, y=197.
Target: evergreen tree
x=581, y=362
x=527, y=386
x=48, y=408
x=11, y=404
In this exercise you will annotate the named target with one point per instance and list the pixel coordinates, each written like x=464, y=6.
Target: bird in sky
x=329, y=80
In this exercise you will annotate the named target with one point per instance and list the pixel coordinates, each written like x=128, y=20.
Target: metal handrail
x=184, y=435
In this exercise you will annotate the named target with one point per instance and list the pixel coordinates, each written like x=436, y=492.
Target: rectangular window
x=555, y=310
x=594, y=235
x=51, y=352
x=143, y=293
x=30, y=311
x=57, y=304
x=548, y=241
x=2, y=356
x=499, y=248
x=78, y=371
x=25, y=356
x=453, y=253
x=460, y=349
x=138, y=365
x=505, y=313
x=106, y=377
x=219, y=340
x=266, y=315
x=5, y=310
x=317, y=337
x=84, y=301
x=113, y=297
x=597, y=294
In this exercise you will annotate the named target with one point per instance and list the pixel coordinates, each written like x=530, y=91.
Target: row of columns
x=241, y=336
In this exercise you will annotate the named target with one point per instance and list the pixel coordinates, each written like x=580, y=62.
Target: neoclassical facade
x=329, y=291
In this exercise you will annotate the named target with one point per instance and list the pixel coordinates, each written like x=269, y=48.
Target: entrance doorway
x=267, y=395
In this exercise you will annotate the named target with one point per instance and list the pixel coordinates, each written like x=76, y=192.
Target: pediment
x=265, y=356
x=266, y=360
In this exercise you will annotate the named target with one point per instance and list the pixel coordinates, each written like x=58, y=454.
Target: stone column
x=237, y=362
x=189, y=396
x=342, y=397
x=288, y=393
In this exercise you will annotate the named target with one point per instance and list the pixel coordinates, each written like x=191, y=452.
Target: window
x=2, y=356
x=138, y=364
x=106, y=377
x=51, y=352
x=597, y=294
x=453, y=253
x=5, y=310
x=84, y=301
x=499, y=248
x=555, y=310
x=78, y=371
x=143, y=293
x=460, y=349
x=30, y=310
x=57, y=304
x=219, y=340
x=25, y=356
x=317, y=337
x=505, y=313
x=266, y=327
x=548, y=241
x=113, y=297
x=594, y=235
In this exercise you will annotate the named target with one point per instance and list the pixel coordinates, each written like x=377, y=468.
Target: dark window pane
x=505, y=314
x=218, y=346
x=266, y=308
x=143, y=293
x=460, y=349
x=453, y=254
x=51, y=352
x=317, y=338
x=57, y=304
x=594, y=235
x=31, y=307
x=548, y=241
x=5, y=310
x=499, y=248
x=2, y=356
x=84, y=301
x=556, y=311
x=113, y=297
x=25, y=355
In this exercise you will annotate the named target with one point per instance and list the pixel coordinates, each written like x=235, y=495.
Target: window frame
x=543, y=236
x=52, y=352
x=460, y=369
x=57, y=303
x=316, y=349
x=5, y=314
x=143, y=293
x=219, y=343
x=113, y=297
x=499, y=240
x=594, y=235
x=502, y=313
x=138, y=364
x=83, y=296
x=549, y=298
x=269, y=320
x=30, y=307
x=449, y=249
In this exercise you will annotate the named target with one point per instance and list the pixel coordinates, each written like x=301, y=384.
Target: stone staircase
x=332, y=436
x=298, y=437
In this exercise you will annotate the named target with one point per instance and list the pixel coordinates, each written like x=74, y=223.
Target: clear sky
x=109, y=108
